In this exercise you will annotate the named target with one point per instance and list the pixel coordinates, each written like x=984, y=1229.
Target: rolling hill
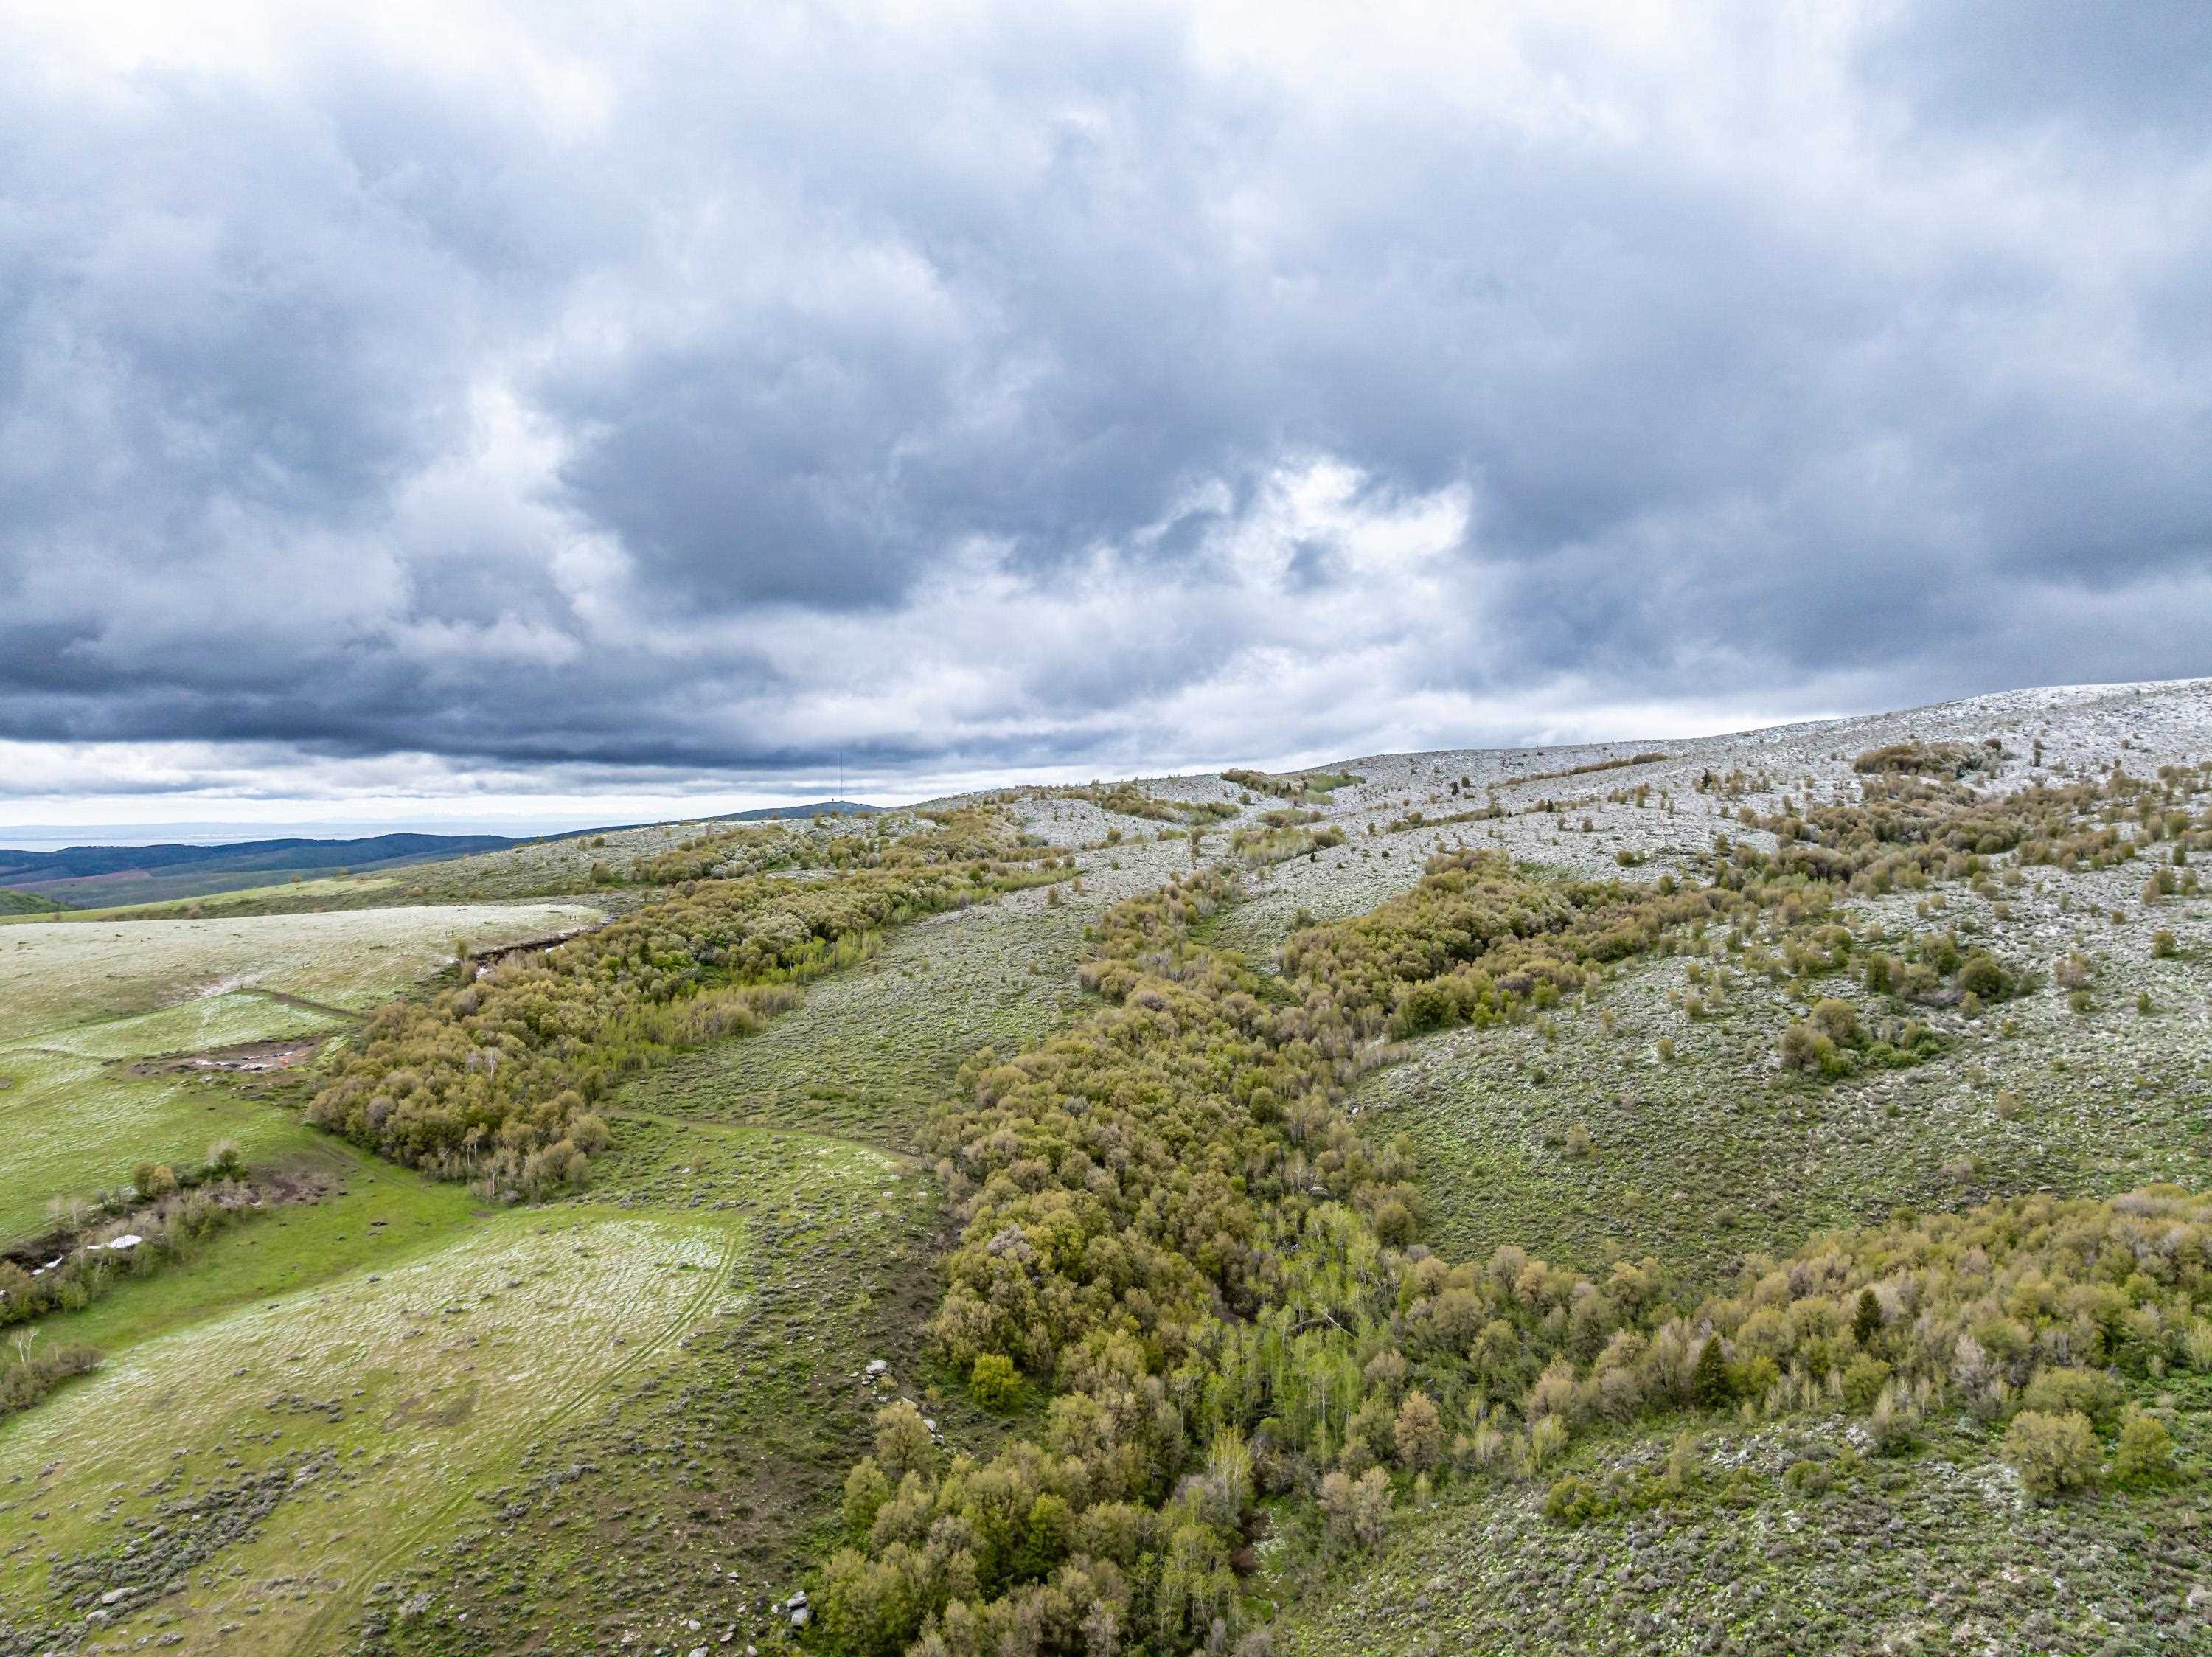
x=79, y=877
x=1740, y=1193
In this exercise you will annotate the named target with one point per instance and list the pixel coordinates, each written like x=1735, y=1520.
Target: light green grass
x=875, y=1046
x=381, y=1407
x=240, y=1016
x=375, y=1216
x=73, y=1124
x=56, y=974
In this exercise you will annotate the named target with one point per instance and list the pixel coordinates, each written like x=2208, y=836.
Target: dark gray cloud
x=1011, y=386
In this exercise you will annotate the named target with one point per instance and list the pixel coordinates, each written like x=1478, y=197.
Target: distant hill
x=30, y=869
x=96, y=876
x=758, y=814
x=86, y=876
x=818, y=808
x=22, y=903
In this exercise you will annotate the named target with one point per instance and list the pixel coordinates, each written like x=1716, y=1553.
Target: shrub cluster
x=495, y=1081
x=965, y=834
x=1832, y=1041
x=1130, y=800
x=170, y=1213
x=1904, y=831
x=724, y=854
x=1279, y=842
x=26, y=1374
x=171, y=1209
x=1918, y=758
x=1169, y=1221
x=1313, y=786
x=1478, y=941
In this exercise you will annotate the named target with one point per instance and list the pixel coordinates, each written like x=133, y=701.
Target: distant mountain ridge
x=817, y=809
x=32, y=869
x=100, y=874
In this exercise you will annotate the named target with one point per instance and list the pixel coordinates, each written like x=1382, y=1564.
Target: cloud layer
x=547, y=397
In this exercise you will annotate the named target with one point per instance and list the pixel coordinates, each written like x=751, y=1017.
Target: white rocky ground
x=2081, y=729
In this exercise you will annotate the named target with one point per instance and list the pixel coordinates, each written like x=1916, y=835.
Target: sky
x=457, y=413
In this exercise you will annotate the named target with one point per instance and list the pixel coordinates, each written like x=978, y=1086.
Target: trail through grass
x=371, y=1411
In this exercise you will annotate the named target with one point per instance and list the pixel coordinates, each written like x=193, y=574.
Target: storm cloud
x=549, y=397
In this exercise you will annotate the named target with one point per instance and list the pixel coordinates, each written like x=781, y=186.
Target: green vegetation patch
x=29, y=903
x=254, y=1476
x=370, y=1216
x=495, y=1081
x=73, y=1124
x=58, y=974
x=1307, y=788
x=1170, y=1220
x=697, y=1489
x=1786, y=1541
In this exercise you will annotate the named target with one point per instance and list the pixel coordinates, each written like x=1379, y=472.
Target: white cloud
x=427, y=402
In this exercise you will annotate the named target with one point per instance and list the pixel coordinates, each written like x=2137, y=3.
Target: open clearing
x=54, y=974
x=78, y=1000
x=265, y=1468
x=73, y=1125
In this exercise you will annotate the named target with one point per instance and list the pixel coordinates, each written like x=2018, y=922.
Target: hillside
x=85, y=877
x=1752, y=1193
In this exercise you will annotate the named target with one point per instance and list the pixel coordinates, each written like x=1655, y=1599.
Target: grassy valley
x=1749, y=1194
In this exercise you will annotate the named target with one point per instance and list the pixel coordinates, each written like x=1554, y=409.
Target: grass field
x=79, y=1001
x=259, y=1471
x=608, y=1507
x=373, y=1215
x=73, y=1124
x=57, y=974
x=692, y=1492
x=518, y=1391
x=712, y=1486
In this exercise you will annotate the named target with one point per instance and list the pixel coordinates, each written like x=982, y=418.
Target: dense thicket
x=1280, y=836
x=1929, y=759
x=495, y=1078
x=1169, y=1220
x=929, y=839
x=1300, y=785
x=1903, y=828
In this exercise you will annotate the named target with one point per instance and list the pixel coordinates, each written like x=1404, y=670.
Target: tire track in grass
x=313, y=1640
x=286, y=998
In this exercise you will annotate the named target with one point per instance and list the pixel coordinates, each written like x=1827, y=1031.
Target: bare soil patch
x=245, y=1056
